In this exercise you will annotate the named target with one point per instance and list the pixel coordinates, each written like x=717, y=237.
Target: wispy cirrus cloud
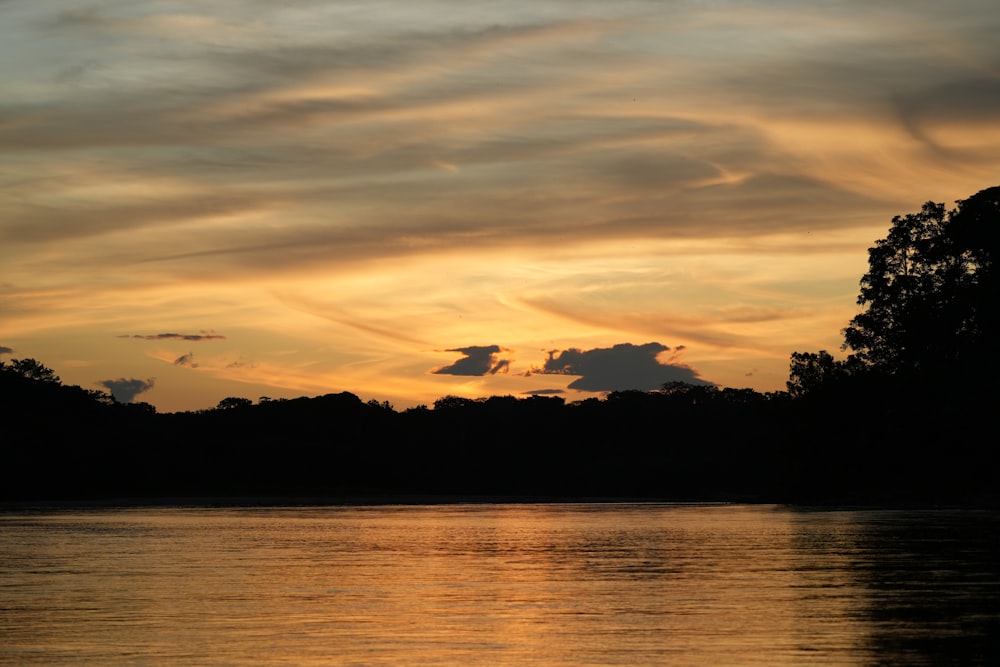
x=617, y=152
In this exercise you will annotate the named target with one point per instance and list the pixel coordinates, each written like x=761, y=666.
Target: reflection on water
x=499, y=585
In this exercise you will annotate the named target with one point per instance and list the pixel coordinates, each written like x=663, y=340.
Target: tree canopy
x=233, y=402
x=930, y=300
x=930, y=292
x=30, y=369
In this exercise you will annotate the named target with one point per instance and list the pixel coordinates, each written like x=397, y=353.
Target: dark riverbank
x=701, y=444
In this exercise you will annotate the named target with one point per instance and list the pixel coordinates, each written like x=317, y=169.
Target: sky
x=408, y=200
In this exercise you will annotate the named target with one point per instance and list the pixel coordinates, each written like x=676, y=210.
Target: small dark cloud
x=544, y=392
x=501, y=366
x=478, y=360
x=125, y=390
x=6, y=350
x=622, y=367
x=186, y=360
x=176, y=336
x=242, y=363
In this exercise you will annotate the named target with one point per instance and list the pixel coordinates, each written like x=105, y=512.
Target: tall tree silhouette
x=930, y=293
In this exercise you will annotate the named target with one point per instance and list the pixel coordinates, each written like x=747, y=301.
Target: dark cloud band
x=176, y=336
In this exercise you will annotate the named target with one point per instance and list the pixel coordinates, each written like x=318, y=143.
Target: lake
x=499, y=584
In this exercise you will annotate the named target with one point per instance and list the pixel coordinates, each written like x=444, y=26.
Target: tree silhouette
x=931, y=300
x=233, y=402
x=813, y=372
x=30, y=369
x=930, y=294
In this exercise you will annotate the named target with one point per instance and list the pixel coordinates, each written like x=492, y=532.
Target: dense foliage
x=930, y=298
x=931, y=293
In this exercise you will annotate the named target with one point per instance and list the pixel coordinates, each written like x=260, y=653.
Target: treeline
x=683, y=442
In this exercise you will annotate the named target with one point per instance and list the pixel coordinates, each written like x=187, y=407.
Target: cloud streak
x=600, y=133
x=177, y=336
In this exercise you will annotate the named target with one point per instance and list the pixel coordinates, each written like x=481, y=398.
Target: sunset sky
x=407, y=200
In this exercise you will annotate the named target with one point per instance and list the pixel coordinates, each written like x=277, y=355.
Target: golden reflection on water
x=448, y=585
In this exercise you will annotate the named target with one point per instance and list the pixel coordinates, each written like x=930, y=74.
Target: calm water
x=499, y=585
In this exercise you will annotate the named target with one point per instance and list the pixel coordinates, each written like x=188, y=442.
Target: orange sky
x=283, y=199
